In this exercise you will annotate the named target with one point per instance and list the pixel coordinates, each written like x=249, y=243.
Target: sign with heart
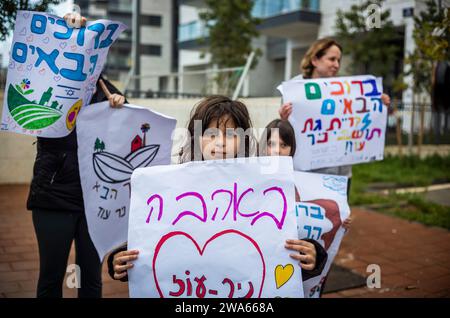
x=221, y=238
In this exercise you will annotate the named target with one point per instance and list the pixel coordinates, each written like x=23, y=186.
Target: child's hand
x=306, y=253
x=285, y=111
x=347, y=223
x=386, y=100
x=75, y=20
x=122, y=262
x=115, y=100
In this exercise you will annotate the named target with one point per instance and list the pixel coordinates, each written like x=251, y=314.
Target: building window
x=149, y=49
x=151, y=20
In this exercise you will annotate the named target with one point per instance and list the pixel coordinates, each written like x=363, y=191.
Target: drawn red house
x=136, y=143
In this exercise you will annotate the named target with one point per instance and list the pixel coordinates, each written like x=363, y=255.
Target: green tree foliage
x=9, y=8
x=231, y=30
x=373, y=50
x=432, y=39
x=97, y=145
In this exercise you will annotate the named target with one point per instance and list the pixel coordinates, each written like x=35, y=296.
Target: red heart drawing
x=201, y=251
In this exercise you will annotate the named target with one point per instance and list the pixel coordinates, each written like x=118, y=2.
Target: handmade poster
x=111, y=144
x=213, y=229
x=320, y=214
x=52, y=72
x=337, y=121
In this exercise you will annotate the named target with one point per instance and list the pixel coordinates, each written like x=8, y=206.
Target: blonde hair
x=317, y=49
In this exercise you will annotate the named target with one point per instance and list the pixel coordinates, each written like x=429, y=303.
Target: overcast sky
x=5, y=46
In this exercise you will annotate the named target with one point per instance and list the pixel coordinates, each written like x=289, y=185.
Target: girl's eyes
x=272, y=144
x=229, y=133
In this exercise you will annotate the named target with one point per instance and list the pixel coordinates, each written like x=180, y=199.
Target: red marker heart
x=254, y=281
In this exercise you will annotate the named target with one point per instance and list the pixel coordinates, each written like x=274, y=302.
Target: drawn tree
x=97, y=145
x=145, y=128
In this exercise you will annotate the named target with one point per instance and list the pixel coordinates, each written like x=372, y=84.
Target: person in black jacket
x=56, y=201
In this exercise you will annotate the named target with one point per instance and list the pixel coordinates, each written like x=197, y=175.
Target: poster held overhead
x=337, y=121
x=53, y=71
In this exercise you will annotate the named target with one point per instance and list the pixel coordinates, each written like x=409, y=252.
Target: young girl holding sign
x=217, y=136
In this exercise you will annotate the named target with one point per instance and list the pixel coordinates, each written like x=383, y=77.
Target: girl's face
x=222, y=142
x=276, y=146
x=328, y=65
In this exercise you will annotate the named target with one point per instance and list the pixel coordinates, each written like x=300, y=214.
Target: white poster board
x=111, y=144
x=320, y=213
x=337, y=121
x=52, y=72
x=214, y=229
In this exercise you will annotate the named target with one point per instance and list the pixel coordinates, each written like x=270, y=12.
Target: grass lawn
x=395, y=172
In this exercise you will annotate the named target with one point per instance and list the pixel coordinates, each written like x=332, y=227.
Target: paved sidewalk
x=414, y=259
x=19, y=258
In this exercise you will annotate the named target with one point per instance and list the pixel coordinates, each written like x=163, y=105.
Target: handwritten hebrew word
x=21, y=51
x=235, y=199
x=105, y=193
x=367, y=88
x=368, y=134
x=39, y=26
x=103, y=213
x=306, y=208
x=358, y=146
x=186, y=288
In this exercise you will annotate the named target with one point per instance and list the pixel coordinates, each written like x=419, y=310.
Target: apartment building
x=154, y=28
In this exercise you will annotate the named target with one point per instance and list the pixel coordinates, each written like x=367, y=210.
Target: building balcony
x=280, y=18
x=189, y=35
x=287, y=18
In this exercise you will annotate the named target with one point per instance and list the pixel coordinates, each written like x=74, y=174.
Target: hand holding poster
x=52, y=72
x=221, y=238
x=337, y=121
x=111, y=144
x=320, y=213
